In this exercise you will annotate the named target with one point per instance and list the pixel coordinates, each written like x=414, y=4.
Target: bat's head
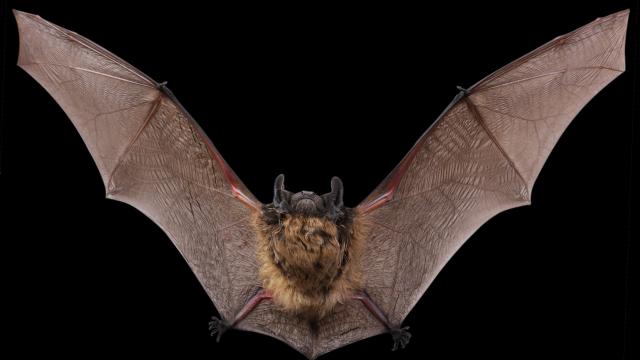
x=329, y=205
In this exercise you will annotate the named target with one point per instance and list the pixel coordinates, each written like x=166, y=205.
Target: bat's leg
x=400, y=335
x=220, y=326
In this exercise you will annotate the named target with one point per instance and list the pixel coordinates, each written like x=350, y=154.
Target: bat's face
x=308, y=203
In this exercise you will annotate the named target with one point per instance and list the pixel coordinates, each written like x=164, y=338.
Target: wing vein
x=545, y=75
x=482, y=123
x=87, y=70
x=146, y=122
x=92, y=46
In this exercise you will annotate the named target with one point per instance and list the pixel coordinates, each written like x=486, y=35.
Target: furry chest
x=308, y=253
x=308, y=263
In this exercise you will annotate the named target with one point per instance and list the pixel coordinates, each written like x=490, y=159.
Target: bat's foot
x=218, y=326
x=400, y=337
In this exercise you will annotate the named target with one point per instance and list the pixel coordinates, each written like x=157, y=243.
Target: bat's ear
x=333, y=200
x=281, y=196
x=337, y=191
x=279, y=185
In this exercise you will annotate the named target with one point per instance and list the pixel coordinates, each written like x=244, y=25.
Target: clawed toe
x=400, y=337
x=218, y=326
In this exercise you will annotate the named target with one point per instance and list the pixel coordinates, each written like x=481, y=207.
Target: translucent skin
x=480, y=157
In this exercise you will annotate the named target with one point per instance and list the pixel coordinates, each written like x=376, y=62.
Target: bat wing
x=152, y=155
x=479, y=158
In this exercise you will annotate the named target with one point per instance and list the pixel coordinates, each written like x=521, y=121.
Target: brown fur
x=310, y=264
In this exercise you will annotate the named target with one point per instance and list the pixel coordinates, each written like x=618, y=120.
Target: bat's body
x=305, y=268
x=309, y=264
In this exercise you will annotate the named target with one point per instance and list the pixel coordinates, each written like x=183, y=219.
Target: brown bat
x=305, y=268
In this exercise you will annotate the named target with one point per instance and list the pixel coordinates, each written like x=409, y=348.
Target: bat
x=305, y=268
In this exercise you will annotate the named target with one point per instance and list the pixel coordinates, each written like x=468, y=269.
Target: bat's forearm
x=373, y=308
x=401, y=336
x=219, y=326
x=250, y=305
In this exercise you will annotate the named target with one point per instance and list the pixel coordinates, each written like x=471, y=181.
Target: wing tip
x=19, y=15
x=621, y=19
x=23, y=20
x=618, y=14
x=621, y=16
x=621, y=13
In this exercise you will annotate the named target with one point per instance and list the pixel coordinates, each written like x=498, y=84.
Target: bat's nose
x=305, y=204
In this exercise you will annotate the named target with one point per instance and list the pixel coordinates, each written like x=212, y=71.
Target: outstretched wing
x=481, y=157
x=152, y=155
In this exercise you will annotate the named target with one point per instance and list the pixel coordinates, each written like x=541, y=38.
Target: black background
x=314, y=91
